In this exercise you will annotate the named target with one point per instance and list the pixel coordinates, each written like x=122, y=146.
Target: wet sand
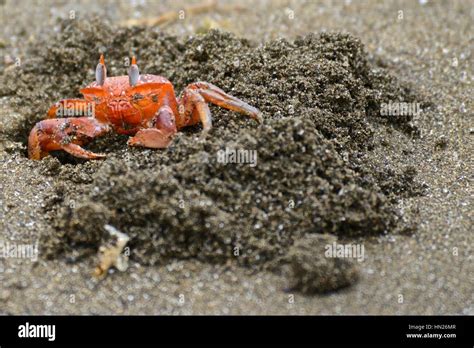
x=430, y=265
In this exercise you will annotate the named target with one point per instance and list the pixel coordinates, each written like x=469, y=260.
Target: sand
x=405, y=191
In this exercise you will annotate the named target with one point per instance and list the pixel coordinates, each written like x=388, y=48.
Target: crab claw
x=66, y=134
x=159, y=137
x=152, y=138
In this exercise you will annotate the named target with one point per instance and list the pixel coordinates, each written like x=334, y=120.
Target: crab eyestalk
x=100, y=71
x=133, y=73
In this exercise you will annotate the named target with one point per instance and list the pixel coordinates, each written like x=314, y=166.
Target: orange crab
x=143, y=106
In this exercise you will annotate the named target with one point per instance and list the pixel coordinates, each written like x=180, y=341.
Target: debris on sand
x=110, y=253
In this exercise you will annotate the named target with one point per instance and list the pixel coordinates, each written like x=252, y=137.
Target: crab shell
x=129, y=108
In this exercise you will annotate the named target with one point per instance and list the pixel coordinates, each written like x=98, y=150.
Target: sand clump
x=320, y=97
x=312, y=271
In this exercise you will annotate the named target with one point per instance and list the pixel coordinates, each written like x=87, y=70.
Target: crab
x=142, y=106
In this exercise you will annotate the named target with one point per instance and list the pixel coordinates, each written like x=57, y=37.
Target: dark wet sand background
x=430, y=47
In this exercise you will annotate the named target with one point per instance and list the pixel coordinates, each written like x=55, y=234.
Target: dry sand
x=428, y=47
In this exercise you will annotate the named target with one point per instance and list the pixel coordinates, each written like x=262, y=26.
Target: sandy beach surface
x=318, y=70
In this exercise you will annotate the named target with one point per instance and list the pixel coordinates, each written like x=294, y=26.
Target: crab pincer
x=66, y=134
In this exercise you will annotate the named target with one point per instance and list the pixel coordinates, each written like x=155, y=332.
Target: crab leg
x=195, y=109
x=215, y=95
x=71, y=108
x=66, y=134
